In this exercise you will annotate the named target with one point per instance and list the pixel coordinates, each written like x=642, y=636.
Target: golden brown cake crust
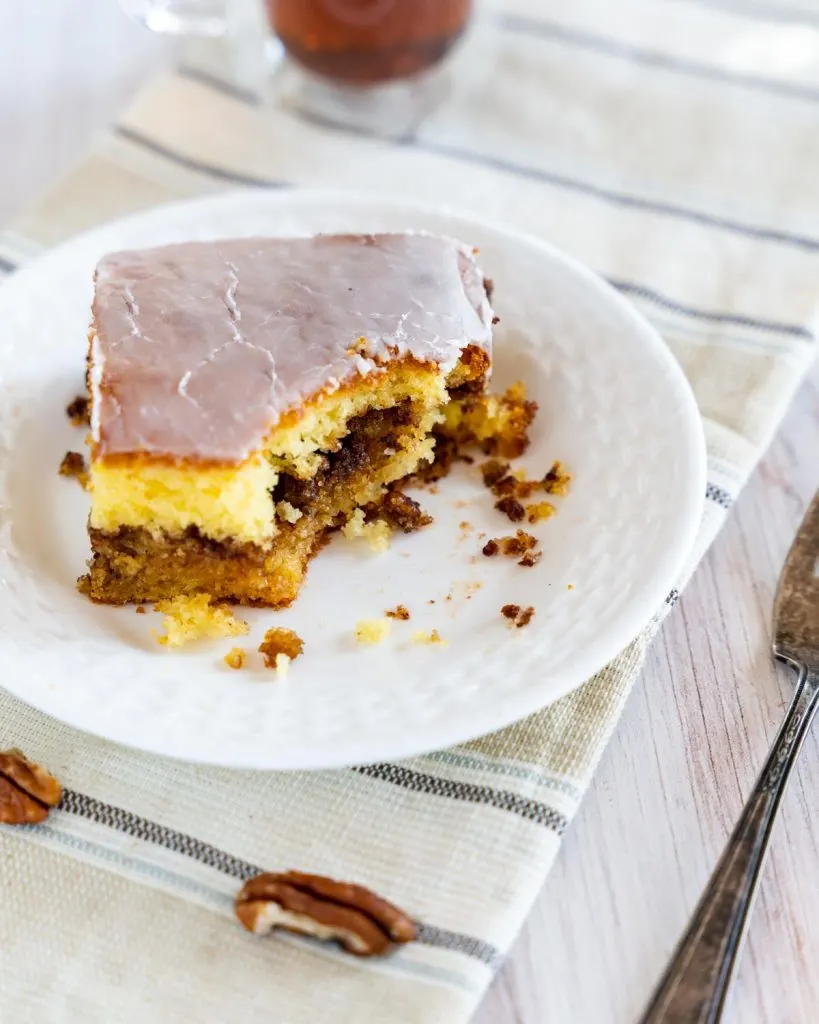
x=134, y=566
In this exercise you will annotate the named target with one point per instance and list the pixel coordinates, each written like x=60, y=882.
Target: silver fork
x=694, y=988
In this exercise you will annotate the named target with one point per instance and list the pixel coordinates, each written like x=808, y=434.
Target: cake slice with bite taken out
x=247, y=396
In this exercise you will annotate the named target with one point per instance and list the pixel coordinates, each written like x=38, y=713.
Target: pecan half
x=27, y=791
x=361, y=922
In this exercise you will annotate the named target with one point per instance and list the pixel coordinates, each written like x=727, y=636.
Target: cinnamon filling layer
x=369, y=441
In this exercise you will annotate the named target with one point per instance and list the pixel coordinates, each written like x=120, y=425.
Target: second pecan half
x=362, y=922
x=27, y=790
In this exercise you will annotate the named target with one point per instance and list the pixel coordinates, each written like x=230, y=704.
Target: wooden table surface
x=700, y=719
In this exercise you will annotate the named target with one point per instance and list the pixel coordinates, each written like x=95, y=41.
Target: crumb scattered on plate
x=235, y=657
x=434, y=637
x=511, y=488
x=369, y=632
x=522, y=546
x=530, y=559
x=493, y=472
x=512, y=547
x=557, y=480
x=376, y=533
x=511, y=508
x=280, y=641
x=197, y=618
x=77, y=411
x=400, y=612
x=140, y=609
x=518, y=617
x=540, y=510
x=73, y=464
x=466, y=529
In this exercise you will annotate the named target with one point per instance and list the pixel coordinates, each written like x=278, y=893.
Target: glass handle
x=249, y=46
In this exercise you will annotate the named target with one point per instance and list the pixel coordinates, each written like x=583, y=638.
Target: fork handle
x=695, y=985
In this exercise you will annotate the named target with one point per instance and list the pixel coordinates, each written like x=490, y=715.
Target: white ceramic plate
x=614, y=407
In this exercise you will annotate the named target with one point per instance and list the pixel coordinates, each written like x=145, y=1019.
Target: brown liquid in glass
x=368, y=41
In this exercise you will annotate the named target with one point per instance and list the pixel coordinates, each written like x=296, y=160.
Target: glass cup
x=375, y=65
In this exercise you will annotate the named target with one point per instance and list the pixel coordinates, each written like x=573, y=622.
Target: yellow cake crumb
x=196, y=618
x=557, y=481
x=289, y=513
x=420, y=637
x=369, y=632
x=377, y=533
x=235, y=657
x=540, y=510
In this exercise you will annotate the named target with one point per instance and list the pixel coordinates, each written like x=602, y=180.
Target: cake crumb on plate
x=530, y=559
x=433, y=637
x=280, y=641
x=77, y=411
x=540, y=510
x=196, y=618
x=513, y=547
x=235, y=657
x=73, y=464
x=511, y=508
x=369, y=632
x=518, y=617
x=557, y=480
x=512, y=485
x=400, y=612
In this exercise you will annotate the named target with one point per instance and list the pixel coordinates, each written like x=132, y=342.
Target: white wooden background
x=699, y=721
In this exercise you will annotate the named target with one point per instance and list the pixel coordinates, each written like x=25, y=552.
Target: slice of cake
x=248, y=396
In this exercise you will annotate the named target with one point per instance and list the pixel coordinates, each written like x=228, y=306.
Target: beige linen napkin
x=666, y=144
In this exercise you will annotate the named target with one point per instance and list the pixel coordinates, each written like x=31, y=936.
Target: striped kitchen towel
x=669, y=144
